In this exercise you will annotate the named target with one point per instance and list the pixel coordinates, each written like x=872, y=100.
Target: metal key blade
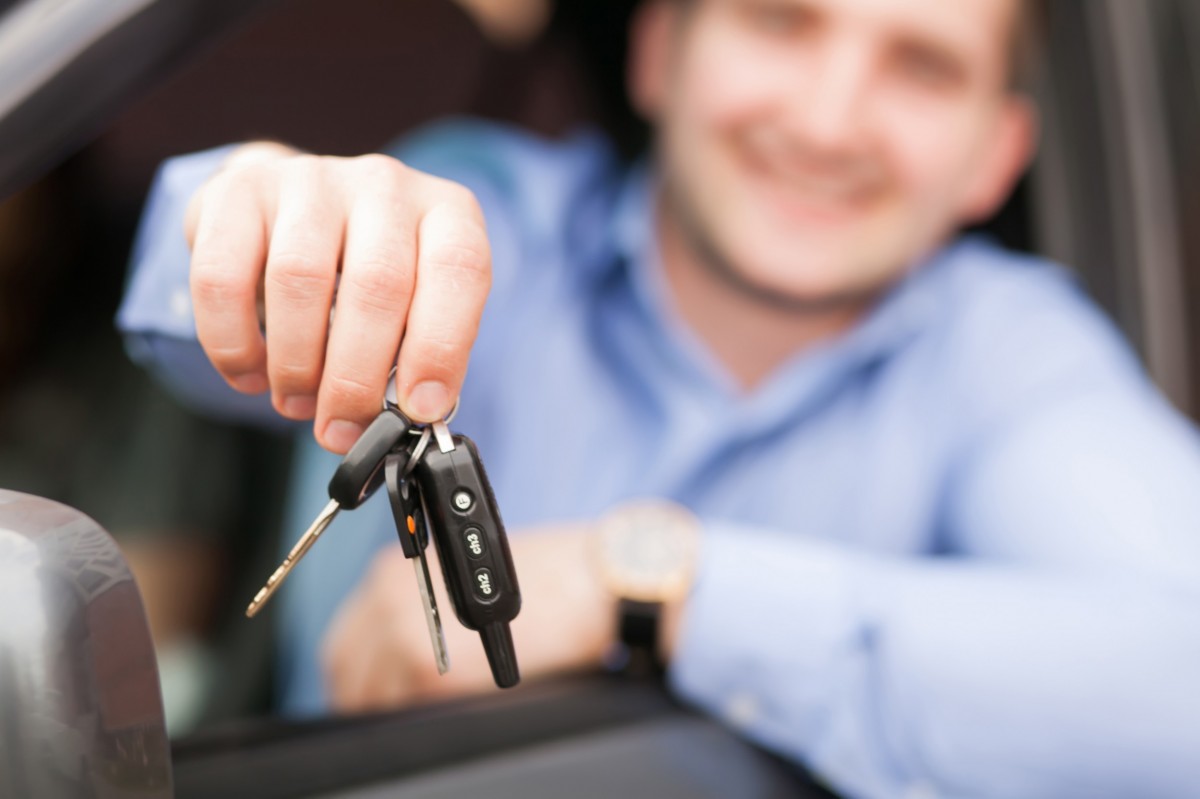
x=432, y=619
x=323, y=520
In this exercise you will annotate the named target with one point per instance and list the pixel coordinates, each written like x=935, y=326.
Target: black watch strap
x=638, y=624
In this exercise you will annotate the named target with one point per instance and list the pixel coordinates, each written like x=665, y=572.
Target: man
x=947, y=529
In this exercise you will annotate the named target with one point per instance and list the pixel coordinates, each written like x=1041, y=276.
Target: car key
x=358, y=476
x=472, y=546
x=414, y=538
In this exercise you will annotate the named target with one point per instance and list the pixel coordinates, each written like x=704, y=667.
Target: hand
x=377, y=653
x=407, y=254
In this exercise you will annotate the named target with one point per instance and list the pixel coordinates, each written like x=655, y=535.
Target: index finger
x=454, y=274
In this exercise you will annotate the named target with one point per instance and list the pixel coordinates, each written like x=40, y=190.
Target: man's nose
x=831, y=114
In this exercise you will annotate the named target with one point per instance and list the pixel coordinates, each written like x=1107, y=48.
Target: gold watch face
x=648, y=551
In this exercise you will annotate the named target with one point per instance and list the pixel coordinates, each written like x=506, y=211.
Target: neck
x=751, y=337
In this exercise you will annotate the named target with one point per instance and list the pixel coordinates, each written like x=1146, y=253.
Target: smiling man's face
x=815, y=150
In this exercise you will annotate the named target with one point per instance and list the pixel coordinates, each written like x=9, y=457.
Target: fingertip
x=298, y=408
x=254, y=383
x=340, y=435
x=428, y=401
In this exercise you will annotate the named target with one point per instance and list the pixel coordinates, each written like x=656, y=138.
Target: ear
x=652, y=37
x=1011, y=149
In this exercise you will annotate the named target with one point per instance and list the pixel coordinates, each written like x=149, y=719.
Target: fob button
x=473, y=541
x=485, y=588
x=462, y=500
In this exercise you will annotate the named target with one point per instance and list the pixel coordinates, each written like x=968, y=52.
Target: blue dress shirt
x=955, y=552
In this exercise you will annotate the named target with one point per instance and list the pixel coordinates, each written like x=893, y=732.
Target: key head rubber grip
x=361, y=472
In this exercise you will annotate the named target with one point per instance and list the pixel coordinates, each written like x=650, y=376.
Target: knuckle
x=376, y=166
x=304, y=163
x=456, y=194
x=461, y=260
x=297, y=275
x=297, y=172
x=226, y=181
x=241, y=179
x=213, y=284
x=348, y=390
x=293, y=375
x=216, y=187
x=380, y=283
x=463, y=203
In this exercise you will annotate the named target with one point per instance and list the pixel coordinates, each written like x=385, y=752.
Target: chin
x=813, y=275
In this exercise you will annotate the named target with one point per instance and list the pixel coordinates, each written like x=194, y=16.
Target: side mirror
x=81, y=712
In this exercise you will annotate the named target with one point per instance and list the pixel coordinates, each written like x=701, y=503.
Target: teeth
x=821, y=192
x=818, y=180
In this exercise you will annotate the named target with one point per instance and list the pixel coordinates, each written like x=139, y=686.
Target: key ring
x=390, y=403
x=418, y=451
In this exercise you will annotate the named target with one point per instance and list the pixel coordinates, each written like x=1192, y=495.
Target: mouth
x=825, y=194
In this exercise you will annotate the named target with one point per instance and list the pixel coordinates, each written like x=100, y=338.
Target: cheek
x=931, y=149
x=722, y=82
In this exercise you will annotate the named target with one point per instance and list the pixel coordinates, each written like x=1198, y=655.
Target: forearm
x=882, y=673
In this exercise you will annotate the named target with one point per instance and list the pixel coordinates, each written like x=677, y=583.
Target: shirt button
x=741, y=710
x=181, y=304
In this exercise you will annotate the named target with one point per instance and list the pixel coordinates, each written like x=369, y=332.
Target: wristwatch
x=647, y=556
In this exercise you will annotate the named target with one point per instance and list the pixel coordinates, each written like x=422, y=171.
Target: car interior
x=94, y=95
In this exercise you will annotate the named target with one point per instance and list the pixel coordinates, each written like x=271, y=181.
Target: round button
x=473, y=541
x=462, y=500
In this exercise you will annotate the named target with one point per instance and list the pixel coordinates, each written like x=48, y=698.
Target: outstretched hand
x=277, y=236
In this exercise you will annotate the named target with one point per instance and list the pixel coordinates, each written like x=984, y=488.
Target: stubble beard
x=687, y=219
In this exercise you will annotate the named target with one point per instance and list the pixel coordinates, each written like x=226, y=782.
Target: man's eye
x=778, y=19
x=929, y=68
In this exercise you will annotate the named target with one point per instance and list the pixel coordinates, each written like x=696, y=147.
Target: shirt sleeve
x=156, y=312
x=1053, y=654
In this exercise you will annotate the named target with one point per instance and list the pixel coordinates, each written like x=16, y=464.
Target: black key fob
x=472, y=547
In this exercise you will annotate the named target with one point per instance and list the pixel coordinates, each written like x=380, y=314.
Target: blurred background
x=194, y=503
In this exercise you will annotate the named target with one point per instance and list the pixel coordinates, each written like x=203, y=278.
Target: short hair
x=1028, y=44
x=1028, y=35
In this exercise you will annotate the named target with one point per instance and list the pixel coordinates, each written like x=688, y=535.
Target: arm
x=274, y=235
x=156, y=314
x=156, y=311
x=346, y=217
x=1053, y=655
x=975, y=679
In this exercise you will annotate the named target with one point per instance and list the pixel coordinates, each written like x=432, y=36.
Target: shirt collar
x=908, y=308
x=632, y=226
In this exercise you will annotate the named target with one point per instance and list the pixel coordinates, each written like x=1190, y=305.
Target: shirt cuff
x=157, y=297
x=156, y=313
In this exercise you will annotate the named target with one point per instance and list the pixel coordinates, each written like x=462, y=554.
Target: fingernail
x=251, y=384
x=340, y=435
x=298, y=407
x=429, y=401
